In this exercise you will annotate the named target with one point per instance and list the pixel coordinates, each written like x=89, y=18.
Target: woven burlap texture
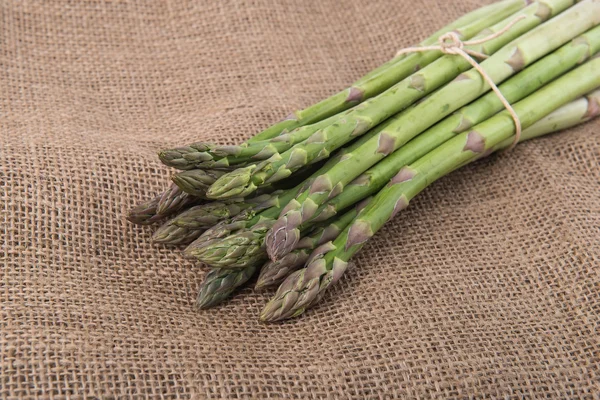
x=486, y=286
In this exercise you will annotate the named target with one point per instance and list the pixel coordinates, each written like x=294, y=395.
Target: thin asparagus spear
x=196, y=181
x=305, y=287
x=161, y=206
x=572, y=114
x=286, y=231
x=189, y=225
x=206, y=155
x=370, y=113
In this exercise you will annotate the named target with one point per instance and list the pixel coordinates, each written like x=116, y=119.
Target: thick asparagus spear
x=161, y=206
x=286, y=231
x=204, y=155
x=274, y=272
x=370, y=113
x=219, y=284
x=305, y=287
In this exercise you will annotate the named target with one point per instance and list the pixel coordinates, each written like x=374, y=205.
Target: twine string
x=450, y=43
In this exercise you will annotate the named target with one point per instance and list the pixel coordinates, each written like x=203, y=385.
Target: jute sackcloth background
x=487, y=286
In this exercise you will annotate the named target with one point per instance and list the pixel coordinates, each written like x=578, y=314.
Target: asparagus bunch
x=221, y=283
x=287, y=205
x=306, y=287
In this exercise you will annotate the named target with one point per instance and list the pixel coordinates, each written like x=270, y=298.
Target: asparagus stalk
x=305, y=287
x=206, y=155
x=196, y=181
x=219, y=284
x=286, y=231
x=274, y=272
x=189, y=225
x=166, y=203
x=572, y=114
x=370, y=113
x=305, y=122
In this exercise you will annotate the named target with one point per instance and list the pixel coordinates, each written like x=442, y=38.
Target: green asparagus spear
x=189, y=225
x=370, y=113
x=306, y=287
x=572, y=114
x=196, y=181
x=205, y=155
x=286, y=231
x=219, y=284
x=167, y=203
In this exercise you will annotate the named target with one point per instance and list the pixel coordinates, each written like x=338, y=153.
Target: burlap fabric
x=487, y=286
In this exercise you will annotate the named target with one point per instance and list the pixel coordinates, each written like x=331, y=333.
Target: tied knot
x=451, y=43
